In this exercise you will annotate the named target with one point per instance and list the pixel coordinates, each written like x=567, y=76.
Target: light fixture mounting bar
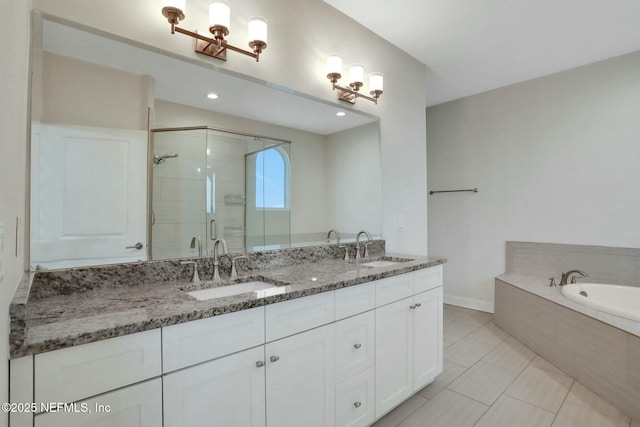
x=350, y=95
x=214, y=48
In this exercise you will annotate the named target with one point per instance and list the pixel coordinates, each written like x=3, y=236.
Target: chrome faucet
x=194, y=278
x=345, y=247
x=234, y=272
x=216, y=272
x=337, y=236
x=366, y=248
x=196, y=240
x=565, y=276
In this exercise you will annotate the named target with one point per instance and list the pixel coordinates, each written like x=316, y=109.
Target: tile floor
x=491, y=380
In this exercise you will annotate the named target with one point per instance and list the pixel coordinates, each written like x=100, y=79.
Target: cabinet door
x=394, y=354
x=427, y=337
x=301, y=379
x=355, y=345
x=224, y=392
x=139, y=405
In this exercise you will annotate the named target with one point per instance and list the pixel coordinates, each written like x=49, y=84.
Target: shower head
x=157, y=159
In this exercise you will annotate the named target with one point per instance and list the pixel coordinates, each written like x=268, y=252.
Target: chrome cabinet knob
x=357, y=404
x=357, y=346
x=419, y=304
x=274, y=358
x=412, y=307
x=259, y=364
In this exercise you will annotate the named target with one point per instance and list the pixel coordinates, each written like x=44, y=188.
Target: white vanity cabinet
x=408, y=341
x=339, y=358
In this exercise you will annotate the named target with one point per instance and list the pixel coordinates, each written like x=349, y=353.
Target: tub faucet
x=565, y=276
x=216, y=272
x=366, y=249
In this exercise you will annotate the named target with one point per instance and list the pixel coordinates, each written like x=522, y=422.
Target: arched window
x=272, y=179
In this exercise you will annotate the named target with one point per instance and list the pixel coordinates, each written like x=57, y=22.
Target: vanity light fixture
x=356, y=81
x=219, y=20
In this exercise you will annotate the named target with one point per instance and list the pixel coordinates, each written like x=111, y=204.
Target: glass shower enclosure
x=209, y=183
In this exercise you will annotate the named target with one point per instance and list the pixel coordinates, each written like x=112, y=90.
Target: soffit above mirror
x=238, y=95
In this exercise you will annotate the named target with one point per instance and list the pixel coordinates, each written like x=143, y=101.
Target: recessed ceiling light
x=341, y=114
x=212, y=95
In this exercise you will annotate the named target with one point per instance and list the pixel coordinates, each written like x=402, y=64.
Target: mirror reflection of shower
x=159, y=159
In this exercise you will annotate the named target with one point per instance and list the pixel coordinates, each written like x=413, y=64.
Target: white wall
x=555, y=160
x=302, y=33
x=14, y=45
x=354, y=181
x=81, y=93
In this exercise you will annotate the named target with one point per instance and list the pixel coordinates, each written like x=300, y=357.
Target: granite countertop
x=540, y=286
x=53, y=320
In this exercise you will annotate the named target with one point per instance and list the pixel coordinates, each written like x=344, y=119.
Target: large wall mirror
x=130, y=160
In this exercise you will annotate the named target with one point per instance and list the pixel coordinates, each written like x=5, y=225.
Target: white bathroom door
x=88, y=199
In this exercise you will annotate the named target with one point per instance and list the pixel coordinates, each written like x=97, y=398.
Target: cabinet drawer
x=189, y=343
x=82, y=371
x=355, y=300
x=427, y=278
x=355, y=345
x=355, y=400
x=394, y=288
x=137, y=406
x=301, y=314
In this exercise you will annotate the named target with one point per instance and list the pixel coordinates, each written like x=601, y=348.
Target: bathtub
x=601, y=350
x=615, y=299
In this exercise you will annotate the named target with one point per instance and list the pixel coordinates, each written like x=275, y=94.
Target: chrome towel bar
x=473, y=190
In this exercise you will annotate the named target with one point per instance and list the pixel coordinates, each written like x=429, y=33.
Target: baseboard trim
x=472, y=303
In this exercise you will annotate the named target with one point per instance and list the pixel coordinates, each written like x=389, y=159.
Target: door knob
x=137, y=246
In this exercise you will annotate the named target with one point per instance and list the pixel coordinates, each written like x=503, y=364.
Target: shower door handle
x=137, y=246
x=213, y=232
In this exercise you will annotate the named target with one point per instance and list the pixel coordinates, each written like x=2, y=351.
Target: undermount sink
x=385, y=261
x=261, y=289
x=379, y=264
